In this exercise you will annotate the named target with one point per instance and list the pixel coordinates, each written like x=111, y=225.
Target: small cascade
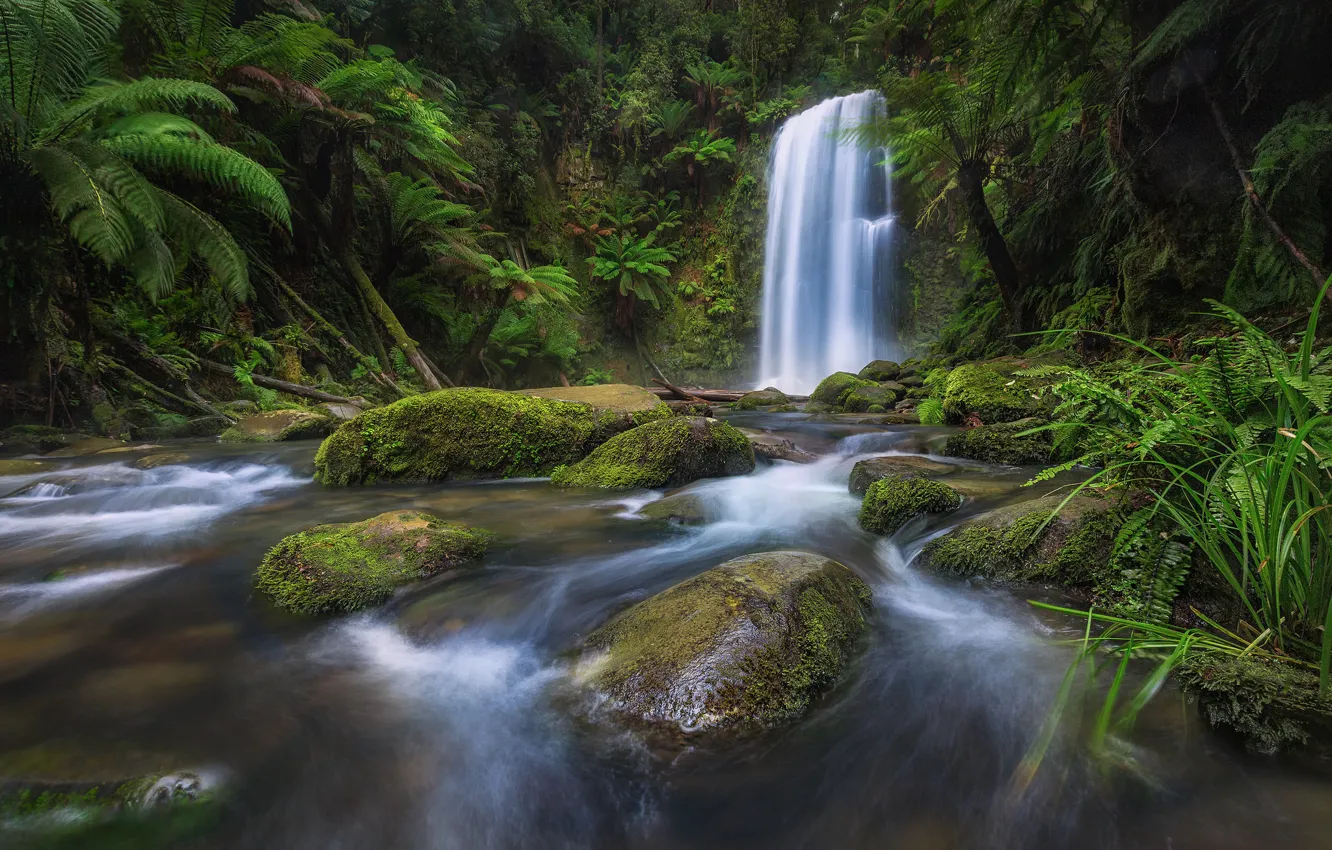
x=827, y=281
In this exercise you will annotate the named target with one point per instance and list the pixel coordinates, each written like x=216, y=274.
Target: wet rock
x=833, y=390
x=911, y=382
x=87, y=446
x=1003, y=443
x=1016, y=543
x=22, y=467
x=747, y=644
x=880, y=370
x=991, y=391
x=894, y=500
x=279, y=425
x=680, y=508
x=474, y=433
x=37, y=439
x=772, y=447
x=338, y=411
x=876, y=398
x=345, y=567
x=907, y=404
x=153, y=461
x=866, y=472
x=1268, y=705
x=667, y=453
x=759, y=399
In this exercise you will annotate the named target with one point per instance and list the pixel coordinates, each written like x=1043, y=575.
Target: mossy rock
x=22, y=467
x=279, y=425
x=667, y=453
x=745, y=645
x=880, y=370
x=1016, y=543
x=636, y=403
x=876, y=398
x=36, y=439
x=87, y=446
x=679, y=508
x=469, y=433
x=893, y=501
x=760, y=399
x=833, y=390
x=1003, y=443
x=343, y=567
x=911, y=382
x=990, y=392
x=1270, y=706
x=153, y=461
x=867, y=471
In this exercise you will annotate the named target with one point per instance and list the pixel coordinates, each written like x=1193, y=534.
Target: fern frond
x=200, y=234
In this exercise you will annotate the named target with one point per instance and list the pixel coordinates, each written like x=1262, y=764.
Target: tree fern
x=199, y=233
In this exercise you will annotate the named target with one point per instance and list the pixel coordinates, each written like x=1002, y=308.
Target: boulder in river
x=667, y=453
x=1005, y=443
x=877, y=398
x=279, y=425
x=894, y=500
x=1022, y=543
x=867, y=471
x=832, y=391
x=469, y=433
x=747, y=644
x=681, y=508
x=760, y=399
x=992, y=391
x=880, y=370
x=343, y=567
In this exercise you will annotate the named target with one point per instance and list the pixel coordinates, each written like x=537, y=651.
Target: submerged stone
x=1022, y=543
x=153, y=461
x=747, y=644
x=279, y=425
x=894, y=500
x=668, y=453
x=867, y=471
x=471, y=433
x=880, y=370
x=344, y=567
x=1003, y=443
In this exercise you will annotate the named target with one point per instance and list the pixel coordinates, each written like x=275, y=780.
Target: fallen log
x=717, y=396
x=284, y=386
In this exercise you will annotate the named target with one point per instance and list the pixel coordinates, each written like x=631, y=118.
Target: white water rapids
x=827, y=303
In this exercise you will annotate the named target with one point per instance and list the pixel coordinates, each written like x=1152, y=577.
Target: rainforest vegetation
x=209, y=207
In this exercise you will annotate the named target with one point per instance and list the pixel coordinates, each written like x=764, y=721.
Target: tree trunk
x=601, y=46
x=477, y=346
x=992, y=242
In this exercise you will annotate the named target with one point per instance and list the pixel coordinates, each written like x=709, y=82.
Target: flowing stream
x=827, y=275
x=447, y=719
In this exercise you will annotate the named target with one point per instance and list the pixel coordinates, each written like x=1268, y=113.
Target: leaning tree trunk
x=476, y=348
x=969, y=178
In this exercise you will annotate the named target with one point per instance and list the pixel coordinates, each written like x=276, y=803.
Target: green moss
x=834, y=389
x=988, y=391
x=348, y=566
x=1016, y=543
x=668, y=453
x=749, y=643
x=1003, y=443
x=880, y=370
x=279, y=425
x=468, y=433
x=867, y=471
x=21, y=467
x=763, y=399
x=865, y=399
x=1271, y=706
x=893, y=500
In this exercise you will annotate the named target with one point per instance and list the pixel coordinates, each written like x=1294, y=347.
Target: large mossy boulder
x=833, y=390
x=635, y=403
x=280, y=425
x=344, y=567
x=990, y=391
x=876, y=398
x=867, y=471
x=1023, y=543
x=879, y=371
x=666, y=453
x=471, y=433
x=1006, y=443
x=893, y=501
x=760, y=399
x=745, y=645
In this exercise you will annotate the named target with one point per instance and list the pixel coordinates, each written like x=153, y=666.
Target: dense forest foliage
x=204, y=201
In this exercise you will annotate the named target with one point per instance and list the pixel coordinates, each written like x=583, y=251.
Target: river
x=445, y=719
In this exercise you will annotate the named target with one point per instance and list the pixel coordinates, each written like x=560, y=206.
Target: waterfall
x=827, y=273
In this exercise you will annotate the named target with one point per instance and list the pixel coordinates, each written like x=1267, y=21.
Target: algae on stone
x=893, y=501
x=833, y=390
x=278, y=426
x=989, y=391
x=867, y=471
x=768, y=397
x=1003, y=443
x=1271, y=706
x=880, y=370
x=470, y=433
x=349, y=566
x=876, y=398
x=1021, y=543
x=639, y=404
x=22, y=467
x=747, y=644
x=681, y=508
x=667, y=453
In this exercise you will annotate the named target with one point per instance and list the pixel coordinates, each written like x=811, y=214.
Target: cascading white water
x=826, y=276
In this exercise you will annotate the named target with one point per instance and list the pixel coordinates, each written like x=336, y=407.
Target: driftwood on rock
x=283, y=386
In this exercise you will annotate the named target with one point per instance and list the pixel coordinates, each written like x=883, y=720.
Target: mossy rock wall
x=747, y=644
x=1017, y=544
x=894, y=500
x=469, y=433
x=668, y=453
x=343, y=567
